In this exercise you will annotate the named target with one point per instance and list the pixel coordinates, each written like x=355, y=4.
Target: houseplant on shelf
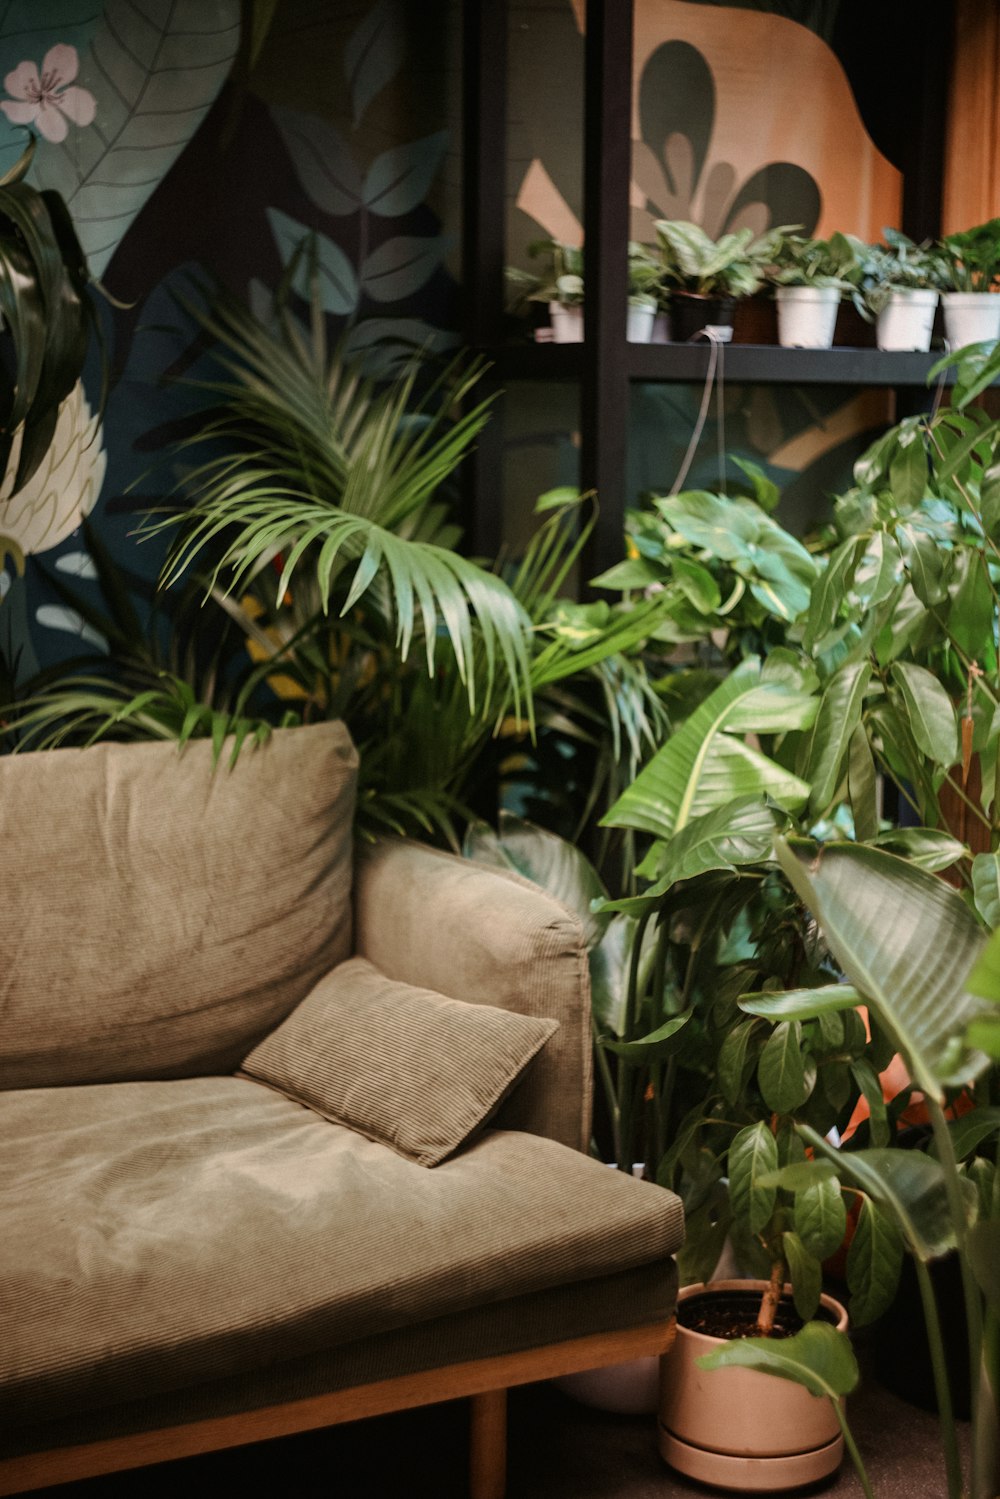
x=561, y=287
x=704, y=277
x=810, y=276
x=899, y=286
x=972, y=280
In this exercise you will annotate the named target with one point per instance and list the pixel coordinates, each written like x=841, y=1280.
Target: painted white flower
x=65, y=486
x=51, y=98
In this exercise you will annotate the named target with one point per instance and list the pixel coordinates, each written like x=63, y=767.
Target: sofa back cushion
x=159, y=916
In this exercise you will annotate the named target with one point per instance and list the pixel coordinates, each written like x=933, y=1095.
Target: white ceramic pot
x=737, y=1428
x=567, y=322
x=971, y=317
x=908, y=321
x=639, y=325
x=807, y=316
x=629, y=1389
x=661, y=328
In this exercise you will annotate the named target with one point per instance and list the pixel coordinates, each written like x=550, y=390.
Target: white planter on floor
x=567, y=322
x=908, y=321
x=971, y=317
x=807, y=316
x=737, y=1428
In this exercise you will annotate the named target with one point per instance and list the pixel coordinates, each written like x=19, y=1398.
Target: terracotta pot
x=737, y=1428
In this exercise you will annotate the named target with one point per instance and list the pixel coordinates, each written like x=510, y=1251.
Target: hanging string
x=715, y=363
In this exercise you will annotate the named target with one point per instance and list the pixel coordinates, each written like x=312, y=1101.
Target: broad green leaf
x=820, y=1217
x=984, y=1034
x=697, y=584
x=799, y=1175
x=926, y=565
x=905, y=940
x=733, y=1062
x=907, y=1183
x=752, y=1153
x=839, y=716
x=879, y=570
x=740, y=833
x=874, y=1260
x=800, y=1004
x=781, y=1071
x=701, y=767
x=908, y=470
x=806, y=1274
x=834, y=585
x=973, y=605
x=609, y=968
x=862, y=786
x=984, y=980
x=928, y=848
x=930, y=710
x=970, y=1130
x=818, y=1357
x=706, y=1231
x=663, y=1042
x=765, y=491
x=986, y=888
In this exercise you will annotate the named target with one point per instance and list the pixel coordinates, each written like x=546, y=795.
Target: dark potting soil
x=733, y=1314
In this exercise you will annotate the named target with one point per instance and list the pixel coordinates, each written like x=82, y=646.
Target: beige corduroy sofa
x=192, y=1256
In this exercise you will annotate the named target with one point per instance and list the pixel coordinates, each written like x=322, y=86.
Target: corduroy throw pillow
x=407, y=1067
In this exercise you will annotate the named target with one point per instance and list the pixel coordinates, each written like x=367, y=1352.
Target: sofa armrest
x=475, y=933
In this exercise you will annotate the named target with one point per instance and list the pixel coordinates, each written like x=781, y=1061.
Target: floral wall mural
x=209, y=137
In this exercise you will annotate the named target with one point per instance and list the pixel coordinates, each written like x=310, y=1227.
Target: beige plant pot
x=737, y=1428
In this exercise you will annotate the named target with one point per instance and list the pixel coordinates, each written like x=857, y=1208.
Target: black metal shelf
x=746, y=363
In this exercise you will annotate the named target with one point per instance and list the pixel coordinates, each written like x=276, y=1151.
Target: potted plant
x=704, y=277
x=561, y=287
x=810, y=276
x=899, y=287
x=46, y=314
x=920, y=959
x=972, y=272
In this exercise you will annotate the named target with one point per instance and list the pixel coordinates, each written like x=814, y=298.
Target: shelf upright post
x=607, y=173
x=484, y=178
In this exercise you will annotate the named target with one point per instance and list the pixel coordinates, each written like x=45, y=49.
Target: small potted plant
x=561, y=287
x=972, y=277
x=644, y=292
x=705, y=277
x=810, y=276
x=899, y=286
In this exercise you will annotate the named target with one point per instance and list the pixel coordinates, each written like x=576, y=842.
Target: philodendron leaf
x=806, y=1273
x=906, y=941
x=819, y=1357
x=734, y=1060
x=800, y=1004
x=781, y=1073
x=874, y=1260
x=820, y=1216
x=702, y=766
x=752, y=1154
x=742, y=832
x=930, y=712
x=928, y=848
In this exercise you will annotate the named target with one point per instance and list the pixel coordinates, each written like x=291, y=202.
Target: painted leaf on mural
x=402, y=266
x=399, y=179
x=65, y=486
x=386, y=344
x=154, y=70
x=374, y=54
x=338, y=281
x=58, y=617
x=323, y=161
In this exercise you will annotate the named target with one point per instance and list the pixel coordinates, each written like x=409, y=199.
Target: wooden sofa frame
x=484, y=1381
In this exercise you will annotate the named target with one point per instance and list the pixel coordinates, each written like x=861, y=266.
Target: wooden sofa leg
x=488, y=1445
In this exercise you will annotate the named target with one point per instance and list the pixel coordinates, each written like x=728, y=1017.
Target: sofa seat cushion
x=165, y=1234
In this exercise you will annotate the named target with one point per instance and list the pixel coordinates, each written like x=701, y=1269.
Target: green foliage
x=798, y=260
x=732, y=266
x=973, y=257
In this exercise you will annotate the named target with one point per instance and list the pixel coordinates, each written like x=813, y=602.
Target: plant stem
x=959, y=1213
x=769, y=1303
x=946, y=1417
x=852, y=1448
x=986, y=1429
